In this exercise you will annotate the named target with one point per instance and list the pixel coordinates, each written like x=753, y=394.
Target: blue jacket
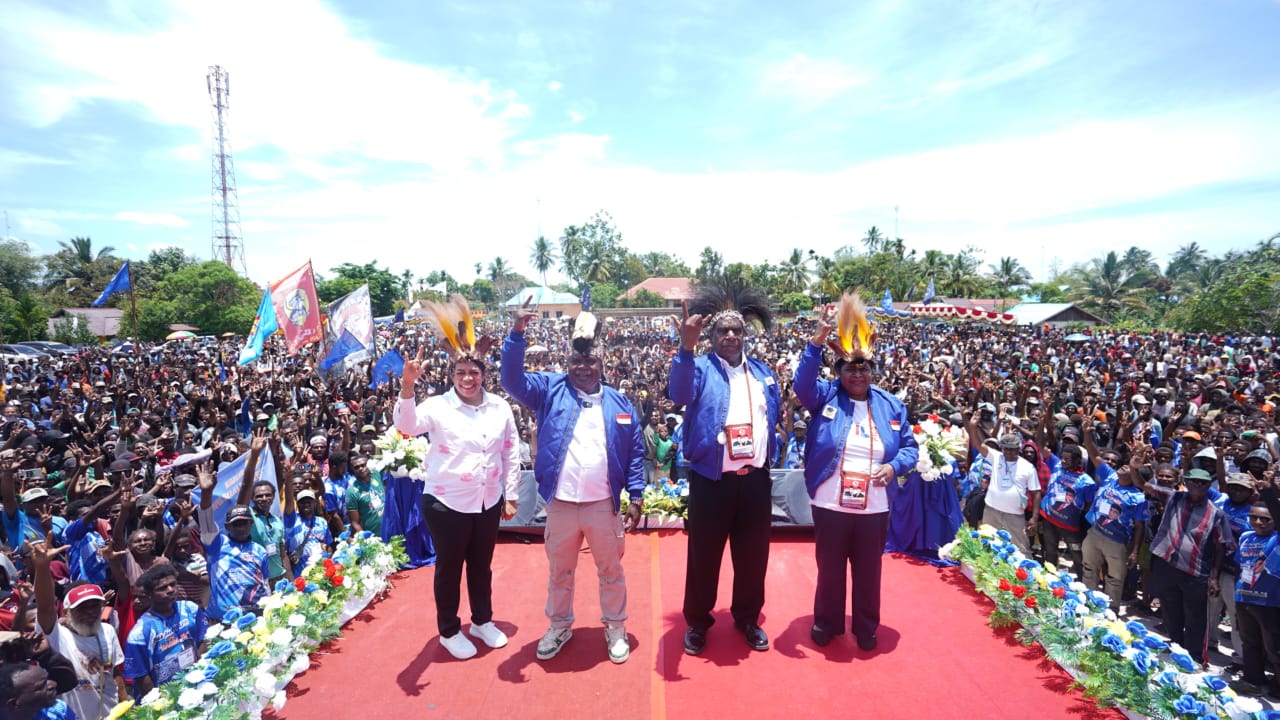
x=702, y=386
x=831, y=409
x=556, y=404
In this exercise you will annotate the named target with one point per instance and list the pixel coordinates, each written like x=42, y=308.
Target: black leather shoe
x=867, y=643
x=819, y=636
x=695, y=641
x=755, y=637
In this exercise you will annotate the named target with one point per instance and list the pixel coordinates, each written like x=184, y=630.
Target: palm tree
x=1185, y=260
x=960, y=278
x=794, y=272
x=76, y=266
x=1007, y=275
x=498, y=270
x=824, y=286
x=874, y=240
x=543, y=257
x=595, y=264
x=571, y=252
x=1138, y=261
x=1109, y=286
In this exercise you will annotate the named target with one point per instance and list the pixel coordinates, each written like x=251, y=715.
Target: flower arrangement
x=939, y=448
x=252, y=658
x=664, y=500
x=1115, y=663
x=399, y=454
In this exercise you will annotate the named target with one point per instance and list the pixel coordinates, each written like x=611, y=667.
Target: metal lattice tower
x=226, y=242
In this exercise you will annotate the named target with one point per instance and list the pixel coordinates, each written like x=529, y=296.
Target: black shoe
x=695, y=641
x=867, y=643
x=755, y=637
x=819, y=636
x=1233, y=668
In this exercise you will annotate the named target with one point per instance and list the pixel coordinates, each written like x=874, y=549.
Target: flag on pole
x=351, y=313
x=887, y=301
x=230, y=476
x=399, y=318
x=119, y=283
x=297, y=308
x=346, y=345
x=586, y=297
x=390, y=365
x=264, y=325
x=929, y=294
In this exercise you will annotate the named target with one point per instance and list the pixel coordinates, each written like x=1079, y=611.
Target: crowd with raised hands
x=1139, y=457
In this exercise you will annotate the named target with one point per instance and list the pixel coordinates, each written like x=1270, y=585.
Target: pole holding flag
x=263, y=326
x=122, y=281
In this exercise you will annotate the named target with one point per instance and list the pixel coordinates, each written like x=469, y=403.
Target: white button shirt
x=748, y=403
x=475, y=449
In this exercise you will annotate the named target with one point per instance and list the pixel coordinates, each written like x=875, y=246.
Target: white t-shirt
x=747, y=404
x=1010, y=483
x=585, y=474
x=95, y=659
x=863, y=452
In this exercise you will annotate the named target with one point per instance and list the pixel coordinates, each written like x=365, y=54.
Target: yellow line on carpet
x=657, y=685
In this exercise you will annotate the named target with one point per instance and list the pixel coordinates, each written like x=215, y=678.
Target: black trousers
x=737, y=509
x=462, y=538
x=1259, y=628
x=1184, y=605
x=843, y=542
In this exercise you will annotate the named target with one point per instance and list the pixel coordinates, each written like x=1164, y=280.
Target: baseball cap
x=305, y=494
x=82, y=594
x=1198, y=474
x=800, y=425
x=1191, y=434
x=262, y=416
x=99, y=483
x=185, y=480
x=987, y=406
x=1240, y=479
x=239, y=513
x=1010, y=440
x=368, y=428
x=1071, y=431
x=1141, y=400
x=119, y=466
x=36, y=493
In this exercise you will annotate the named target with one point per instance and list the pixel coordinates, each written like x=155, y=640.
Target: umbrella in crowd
x=1077, y=337
x=180, y=335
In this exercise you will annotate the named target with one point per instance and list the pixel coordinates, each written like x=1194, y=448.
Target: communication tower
x=227, y=244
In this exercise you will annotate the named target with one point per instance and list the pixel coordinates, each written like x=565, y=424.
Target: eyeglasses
x=1259, y=519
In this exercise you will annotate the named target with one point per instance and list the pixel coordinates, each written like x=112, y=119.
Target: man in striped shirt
x=1187, y=554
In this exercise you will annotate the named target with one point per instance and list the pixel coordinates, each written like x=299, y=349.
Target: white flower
x=944, y=552
x=191, y=698
x=300, y=664
x=213, y=630
x=208, y=689
x=272, y=602
x=1078, y=587
x=229, y=633
x=151, y=697
x=1240, y=707
x=282, y=636
x=297, y=620
x=277, y=702
x=264, y=683
x=194, y=676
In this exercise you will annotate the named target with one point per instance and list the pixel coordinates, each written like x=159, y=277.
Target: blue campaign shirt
x=59, y=710
x=335, y=494
x=308, y=537
x=1066, y=497
x=238, y=573
x=1259, y=580
x=1238, y=515
x=1115, y=509
x=84, y=559
x=162, y=646
x=25, y=527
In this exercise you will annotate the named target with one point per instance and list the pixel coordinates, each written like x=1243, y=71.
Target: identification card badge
x=187, y=656
x=741, y=441
x=853, y=489
x=829, y=412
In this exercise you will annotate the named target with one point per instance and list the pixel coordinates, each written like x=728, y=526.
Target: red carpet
x=937, y=658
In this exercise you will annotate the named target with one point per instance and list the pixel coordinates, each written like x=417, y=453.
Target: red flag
x=297, y=308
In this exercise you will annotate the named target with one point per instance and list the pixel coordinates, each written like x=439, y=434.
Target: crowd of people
x=1145, y=460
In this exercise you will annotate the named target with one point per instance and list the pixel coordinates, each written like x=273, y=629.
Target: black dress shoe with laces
x=695, y=641
x=755, y=637
x=819, y=636
x=867, y=643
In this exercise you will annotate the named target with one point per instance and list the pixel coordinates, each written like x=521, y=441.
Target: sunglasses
x=1259, y=519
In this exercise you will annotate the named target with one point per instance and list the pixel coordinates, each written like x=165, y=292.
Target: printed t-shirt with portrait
x=1115, y=509
x=162, y=646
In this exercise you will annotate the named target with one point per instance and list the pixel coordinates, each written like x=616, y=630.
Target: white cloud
x=555, y=86
x=810, y=80
x=576, y=117
x=168, y=220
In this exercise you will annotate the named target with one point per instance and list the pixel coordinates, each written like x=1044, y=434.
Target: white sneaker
x=551, y=643
x=458, y=646
x=489, y=634
x=615, y=638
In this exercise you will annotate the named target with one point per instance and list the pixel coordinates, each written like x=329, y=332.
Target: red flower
x=300, y=583
x=1019, y=591
x=934, y=417
x=1030, y=602
x=329, y=572
x=916, y=429
x=1059, y=592
x=328, y=564
x=338, y=567
x=338, y=580
x=1022, y=574
x=1004, y=585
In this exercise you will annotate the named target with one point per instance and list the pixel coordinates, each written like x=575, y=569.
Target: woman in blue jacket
x=859, y=441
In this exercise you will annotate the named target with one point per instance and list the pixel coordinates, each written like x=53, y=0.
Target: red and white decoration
x=943, y=310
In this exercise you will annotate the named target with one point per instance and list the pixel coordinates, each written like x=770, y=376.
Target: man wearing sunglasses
x=1257, y=594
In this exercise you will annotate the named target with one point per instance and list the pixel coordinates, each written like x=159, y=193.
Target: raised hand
x=691, y=327
x=524, y=314
x=206, y=478
x=822, y=331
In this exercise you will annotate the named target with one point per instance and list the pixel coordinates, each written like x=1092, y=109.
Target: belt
x=744, y=470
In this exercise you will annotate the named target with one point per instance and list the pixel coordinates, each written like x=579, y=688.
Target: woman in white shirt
x=473, y=463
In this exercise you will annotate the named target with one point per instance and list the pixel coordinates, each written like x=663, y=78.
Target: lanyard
x=871, y=434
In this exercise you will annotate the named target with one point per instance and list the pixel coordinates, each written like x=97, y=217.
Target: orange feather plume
x=852, y=326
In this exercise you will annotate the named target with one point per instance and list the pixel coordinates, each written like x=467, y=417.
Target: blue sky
x=429, y=135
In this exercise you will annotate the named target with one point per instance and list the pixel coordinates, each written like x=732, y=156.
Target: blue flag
x=346, y=345
x=390, y=365
x=119, y=283
x=263, y=325
x=887, y=302
x=929, y=294
x=399, y=318
x=230, y=476
x=586, y=297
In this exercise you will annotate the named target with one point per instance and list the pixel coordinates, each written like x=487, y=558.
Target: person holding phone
x=474, y=462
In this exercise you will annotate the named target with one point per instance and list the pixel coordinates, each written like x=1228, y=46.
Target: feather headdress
x=586, y=328
x=453, y=321
x=732, y=298
x=853, y=329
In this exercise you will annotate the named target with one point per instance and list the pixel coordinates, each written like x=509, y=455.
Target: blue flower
x=1066, y=578
x=346, y=535
x=973, y=533
x=241, y=665
x=1214, y=683
x=210, y=672
x=986, y=543
x=1183, y=661
x=1069, y=609
x=1167, y=677
x=246, y=621
x=1114, y=643
x=219, y=650
x=1098, y=600
x=1188, y=705
x=1137, y=628
x=1141, y=662
x=1154, y=643
x=365, y=534
x=1029, y=564
x=232, y=615
x=283, y=587
x=1004, y=535
x=311, y=587
x=1098, y=631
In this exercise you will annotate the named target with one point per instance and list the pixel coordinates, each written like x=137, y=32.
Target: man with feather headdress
x=590, y=446
x=733, y=404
